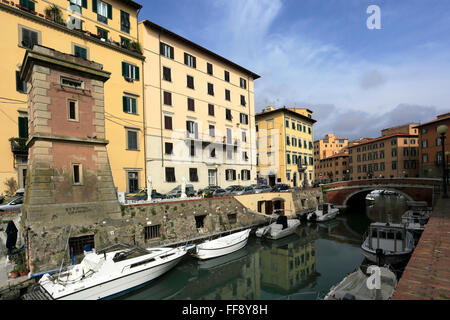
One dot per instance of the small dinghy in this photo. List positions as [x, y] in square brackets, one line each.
[388, 243]
[222, 246]
[110, 272]
[323, 212]
[358, 286]
[283, 227]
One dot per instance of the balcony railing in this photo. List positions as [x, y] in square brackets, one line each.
[19, 146]
[132, 46]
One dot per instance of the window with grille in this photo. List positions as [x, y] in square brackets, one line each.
[78, 244]
[152, 232]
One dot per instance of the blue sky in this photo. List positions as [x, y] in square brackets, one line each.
[319, 54]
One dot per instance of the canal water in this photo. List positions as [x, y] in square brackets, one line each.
[301, 267]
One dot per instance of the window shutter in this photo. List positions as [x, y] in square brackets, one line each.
[161, 48]
[94, 6]
[109, 10]
[171, 52]
[195, 62]
[125, 104]
[133, 106]
[125, 69]
[136, 70]
[23, 127]
[84, 4]
[185, 58]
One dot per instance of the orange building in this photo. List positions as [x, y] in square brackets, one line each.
[394, 154]
[323, 149]
[333, 168]
[430, 150]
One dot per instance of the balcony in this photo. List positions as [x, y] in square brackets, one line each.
[19, 146]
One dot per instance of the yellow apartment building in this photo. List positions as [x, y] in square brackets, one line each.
[285, 146]
[199, 114]
[103, 31]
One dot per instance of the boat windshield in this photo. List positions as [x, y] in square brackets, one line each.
[130, 254]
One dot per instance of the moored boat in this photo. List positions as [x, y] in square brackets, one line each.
[222, 246]
[355, 286]
[110, 272]
[323, 212]
[388, 243]
[283, 227]
[415, 221]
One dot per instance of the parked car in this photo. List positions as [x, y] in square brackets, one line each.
[221, 193]
[244, 190]
[236, 190]
[176, 192]
[20, 192]
[281, 188]
[2, 198]
[208, 191]
[13, 205]
[142, 195]
[262, 188]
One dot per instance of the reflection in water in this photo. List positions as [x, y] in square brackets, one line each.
[297, 267]
[289, 264]
[387, 208]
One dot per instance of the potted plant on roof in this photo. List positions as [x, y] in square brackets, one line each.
[135, 46]
[52, 12]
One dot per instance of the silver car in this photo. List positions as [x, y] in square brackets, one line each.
[262, 188]
[13, 205]
[244, 190]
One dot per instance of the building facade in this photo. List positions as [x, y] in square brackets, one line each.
[199, 118]
[332, 168]
[394, 154]
[285, 146]
[106, 32]
[325, 148]
[430, 149]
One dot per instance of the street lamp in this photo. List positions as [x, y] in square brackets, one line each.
[442, 130]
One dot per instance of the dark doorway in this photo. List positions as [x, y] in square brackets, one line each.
[269, 207]
[272, 180]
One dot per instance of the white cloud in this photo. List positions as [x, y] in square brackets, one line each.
[348, 92]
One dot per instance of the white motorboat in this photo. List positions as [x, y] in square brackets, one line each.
[323, 212]
[222, 246]
[110, 272]
[355, 286]
[416, 220]
[390, 243]
[280, 229]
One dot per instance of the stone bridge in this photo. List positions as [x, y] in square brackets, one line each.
[414, 189]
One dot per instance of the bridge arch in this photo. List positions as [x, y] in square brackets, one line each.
[369, 190]
[417, 189]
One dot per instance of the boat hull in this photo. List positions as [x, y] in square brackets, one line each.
[283, 233]
[390, 259]
[210, 253]
[121, 285]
